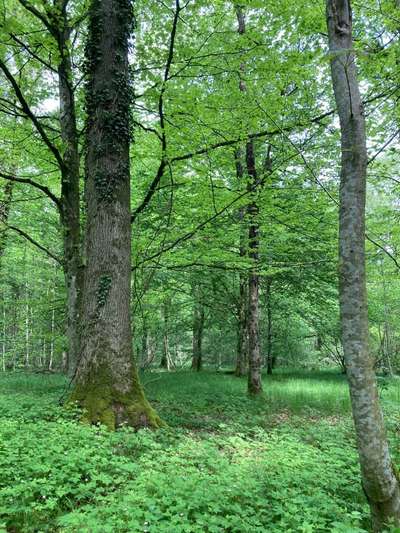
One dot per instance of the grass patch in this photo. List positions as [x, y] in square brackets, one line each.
[226, 463]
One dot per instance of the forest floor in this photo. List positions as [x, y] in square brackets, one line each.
[227, 463]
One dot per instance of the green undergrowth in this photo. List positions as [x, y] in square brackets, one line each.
[227, 463]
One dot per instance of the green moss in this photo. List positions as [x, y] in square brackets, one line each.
[103, 403]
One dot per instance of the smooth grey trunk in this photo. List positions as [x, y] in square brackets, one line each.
[254, 357]
[106, 382]
[379, 479]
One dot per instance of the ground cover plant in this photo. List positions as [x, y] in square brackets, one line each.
[225, 463]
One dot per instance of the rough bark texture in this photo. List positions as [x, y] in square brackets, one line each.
[106, 383]
[378, 475]
[70, 176]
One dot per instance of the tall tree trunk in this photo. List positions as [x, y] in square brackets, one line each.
[166, 356]
[254, 357]
[242, 334]
[270, 357]
[254, 376]
[198, 327]
[70, 187]
[378, 476]
[106, 383]
[5, 207]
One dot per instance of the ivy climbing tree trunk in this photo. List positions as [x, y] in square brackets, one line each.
[106, 383]
[379, 478]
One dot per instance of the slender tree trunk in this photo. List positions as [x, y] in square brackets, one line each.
[270, 358]
[5, 207]
[254, 377]
[4, 340]
[198, 327]
[242, 333]
[145, 340]
[106, 383]
[51, 355]
[378, 475]
[254, 357]
[70, 187]
[166, 356]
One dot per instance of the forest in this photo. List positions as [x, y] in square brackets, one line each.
[199, 266]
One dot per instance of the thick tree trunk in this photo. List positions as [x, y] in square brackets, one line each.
[106, 384]
[198, 327]
[70, 177]
[378, 475]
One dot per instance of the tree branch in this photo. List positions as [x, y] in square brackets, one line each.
[26, 109]
[28, 181]
[35, 243]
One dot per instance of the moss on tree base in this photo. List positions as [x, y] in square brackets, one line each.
[103, 403]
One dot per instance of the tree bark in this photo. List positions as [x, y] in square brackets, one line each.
[106, 383]
[254, 376]
[70, 189]
[242, 334]
[254, 358]
[378, 475]
[198, 327]
[166, 356]
[5, 206]
[270, 357]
